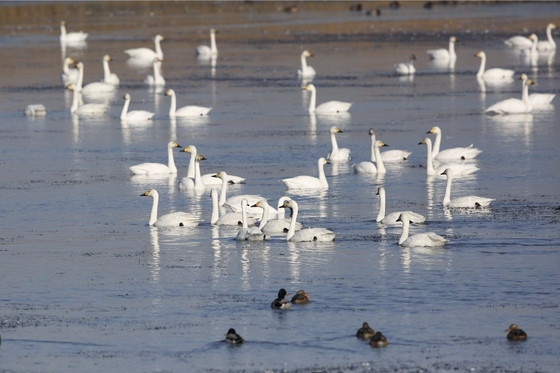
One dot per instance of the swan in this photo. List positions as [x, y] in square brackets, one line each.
[468, 152]
[330, 107]
[308, 234]
[230, 218]
[337, 154]
[538, 100]
[494, 73]
[156, 80]
[309, 182]
[533, 51]
[134, 115]
[459, 168]
[444, 54]
[406, 68]
[185, 111]
[174, 219]
[393, 155]
[367, 167]
[195, 183]
[522, 42]
[461, 202]
[392, 218]
[247, 233]
[69, 75]
[36, 110]
[108, 76]
[85, 109]
[427, 239]
[305, 71]
[77, 37]
[92, 89]
[150, 168]
[147, 53]
[514, 105]
[204, 52]
[208, 179]
[233, 203]
[273, 226]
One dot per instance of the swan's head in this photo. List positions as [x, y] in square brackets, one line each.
[70, 87]
[221, 175]
[306, 53]
[335, 129]
[371, 132]
[480, 54]
[200, 157]
[323, 161]
[413, 57]
[288, 204]
[427, 141]
[448, 172]
[533, 37]
[159, 37]
[69, 61]
[150, 193]
[380, 191]
[261, 203]
[309, 87]
[523, 77]
[169, 92]
[190, 149]
[435, 130]
[213, 31]
[107, 58]
[80, 65]
[526, 79]
[380, 144]
[126, 97]
[173, 144]
[453, 39]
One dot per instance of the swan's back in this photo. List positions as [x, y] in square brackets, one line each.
[459, 169]
[313, 234]
[177, 219]
[149, 168]
[139, 116]
[428, 239]
[303, 182]
[509, 106]
[468, 152]
[395, 155]
[392, 218]
[333, 107]
[470, 202]
[498, 74]
[36, 110]
[541, 99]
[192, 111]
[518, 41]
[365, 167]
[438, 54]
[91, 110]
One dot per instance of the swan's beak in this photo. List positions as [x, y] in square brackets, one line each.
[145, 194]
[421, 142]
[217, 175]
[201, 157]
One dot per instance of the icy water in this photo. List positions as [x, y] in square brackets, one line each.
[88, 286]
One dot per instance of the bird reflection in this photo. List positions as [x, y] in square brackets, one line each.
[155, 260]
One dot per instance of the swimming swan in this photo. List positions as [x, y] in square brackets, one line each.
[147, 54]
[444, 54]
[427, 239]
[230, 218]
[393, 155]
[134, 115]
[337, 154]
[174, 219]
[330, 107]
[273, 226]
[208, 179]
[522, 42]
[247, 233]
[36, 110]
[108, 76]
[514, 105]
[185, 111]
[461, 202]
[468, 152]
[156, 80]
[305, 71]
[69, 38]
[392, 218]
[494, 73]
[538, 100]
[459, 168]
[406, 68]
[309, 182]
[95, 88]
[150, 168]
[204, 52]
[195, 183]
[69, 75]
[233, 203]
[85, 110]
[308, 234]
[368, 167]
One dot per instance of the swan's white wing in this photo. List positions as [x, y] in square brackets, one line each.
[278, 226]
[498, 74]
[192, 111]
[391, 219]
[395, 155]
[177, 219]
[139, 116]
[365, 167]
[438, 54]
[428, 239]
[142, 53]
[303, 182]
[468, 152]
[313, 234]
[149, 168]
[332, 107]
[518, 41]
[509, 106]
[470, 202]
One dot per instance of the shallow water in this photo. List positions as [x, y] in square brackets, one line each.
[88, 286]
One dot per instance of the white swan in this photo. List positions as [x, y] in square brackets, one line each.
[538, 100]
[305, 71]
[427, 239]
[444, 54]
[459, 168]
[368, 167]
[522, 42]
[461, 202]
[329, 107]
[86, 110]
[514, 105]
[392, 218]
[95, 88]
[204, 52]
[337, 154]
[468, 152]
[393, 155]
[147, 54]
[174, 219]
[247, 233]
[230, 218]
[134, 115]
[156, 80]
[406, 68]
[233, 203]
[533, 51]
[208, 179]
[195, 183]
[306, 182]
[273, 226]
[108, 76]
[495, 73]
[150, 168]
[308, 234]
[69, 74]
[69, 38]
[185, 111]
[36, 110]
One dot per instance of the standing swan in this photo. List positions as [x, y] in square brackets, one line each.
[468, 152]
[174, 219]
[247, 233]
[337, 154]
[461, 202]
[459, 168]
[444, 54]
[514, 105]
[150, 168]
[108, 76]
[367, 167]
[494, 73]
[134, 115]
[305, 71]
[392, 218]
[185, 111]
[305, 182]
[406, 68]
[308, 234]
[147, 54]
[204, 52]
[427, 239]
[329, 107]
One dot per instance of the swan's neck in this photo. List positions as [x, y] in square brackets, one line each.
[264, 218]
[106, 71]
[65, 68]
[171, 161]
[312, 100]
[379, 162]
[549, 36]
[452, 54]
[334, 143]
[303, 63]
[153, 214]
[158, 77]
[372, 149]
[223, 192]
[159, 52]
[80, 78]
[125, 109]
[525, 96]
[322, 177]
[75, 101]
[405, 228]
[198, 183]
[215, 207]
[62, 32]
[430, 158]
[480, 72]
[381, 213]
[534, 47]
[244, 223]
[437, 143]
[292, 228]
[447, 195]
[173, 107]
[213, 47]
[191, 170]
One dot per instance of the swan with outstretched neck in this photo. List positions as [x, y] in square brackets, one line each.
[147, 54]
[467, 152]
[195, 183]
[461, 202]
[152, 168]
[406, 68]
[495, 73]
[134, 115]
[306, 182]
[392, 218]
[443, 54]
[337, 154]
[280, 225]
[426, 239]
[171, 220]
[307, 234]
[204, 52]
[329, 107]
[514, 105]
[86, 110]
[305, 71]
[462, 169]
[247, 233]
[368, 167]
[185, 111]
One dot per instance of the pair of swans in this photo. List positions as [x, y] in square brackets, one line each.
[185, 111]
[307, 234]
[461, 169]
[514, 105]
[152, 168]
[306, 182]
[468, 152]
[493, 73]
[522, 42]
[207, 179]
[171, 220]
[196, 183]
[305, 72]
[280, 225]
[204, 52]
[369, 167]
[329, 107]
[426, 239]
[393, 155]
[462, 202]
[247, 233]
[71, 38]
[156, 80]
[147, 55]
[442, 54]
[392, 218]
[134, 116]
[406, 68]
[337, 154]
[85, 110]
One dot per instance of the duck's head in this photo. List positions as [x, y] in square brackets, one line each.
[282, 293]
[511, 327]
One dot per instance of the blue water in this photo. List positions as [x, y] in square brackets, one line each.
[88, 286]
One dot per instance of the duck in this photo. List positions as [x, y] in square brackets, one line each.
[522, 42]
[272, 226]
[171, 220]
[108, 76]
[68, 38]
[337, 154]
[185, 111]
[195, 183]
[462, 202]
[233, 338]
[406, 68]
[329, 107]
[300, 297]
[156, 80]
[514, 105]
[305, 71]
[368, 167]
[134, 115]
[247, 233]
[444, 54]
[426, 239]
[85, 110]
[281, 303]
[305, 182]
[538, 100]
[308, 234]
[460, 169]
[462, 153]
[493, 73]
[392, 218]
[151, 168]
[393, 155]
[515, 334]
[378, 340]
[229, 218]
[365, 332]
[147, 54]
[204, 52]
